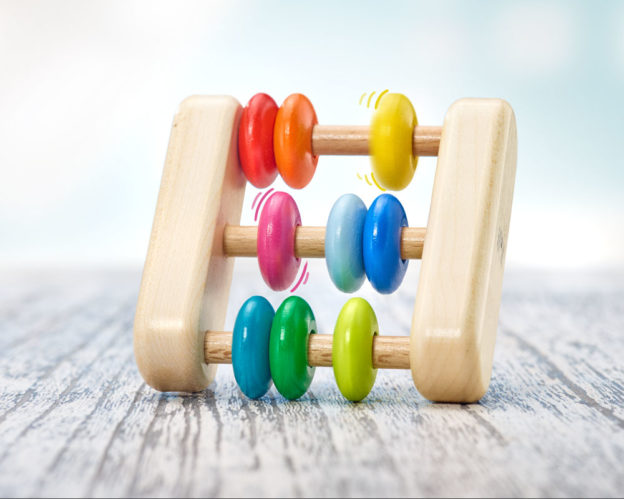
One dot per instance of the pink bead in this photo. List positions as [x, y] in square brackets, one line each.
[276, 241]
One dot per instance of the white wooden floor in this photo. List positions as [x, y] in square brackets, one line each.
[76, 418]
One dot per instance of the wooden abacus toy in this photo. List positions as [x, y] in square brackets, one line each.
[215, 145]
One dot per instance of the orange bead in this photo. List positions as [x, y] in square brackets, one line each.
[292, 141]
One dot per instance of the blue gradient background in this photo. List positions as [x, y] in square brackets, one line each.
[88, 91]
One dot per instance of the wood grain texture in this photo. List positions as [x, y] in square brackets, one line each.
[310, 241]
[459, 290]
[186, 278]
[389, 352]
[339, 140]
[77, 419]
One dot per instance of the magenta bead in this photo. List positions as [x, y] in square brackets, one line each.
[276, 241]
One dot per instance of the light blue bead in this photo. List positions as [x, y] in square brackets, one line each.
[250, 347]
[385, 268]
[343, 243]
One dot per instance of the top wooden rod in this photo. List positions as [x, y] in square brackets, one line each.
[340, 140]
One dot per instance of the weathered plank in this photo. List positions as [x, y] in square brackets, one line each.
[76, 418]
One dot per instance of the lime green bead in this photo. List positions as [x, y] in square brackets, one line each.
[352, 351]
[288, 347]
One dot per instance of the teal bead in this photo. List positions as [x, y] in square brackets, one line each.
[250, 347]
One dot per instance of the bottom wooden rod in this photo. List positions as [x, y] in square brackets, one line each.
[389, 352]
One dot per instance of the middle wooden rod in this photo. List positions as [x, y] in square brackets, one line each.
[310, 241]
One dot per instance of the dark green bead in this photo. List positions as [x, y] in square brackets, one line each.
[288, 347]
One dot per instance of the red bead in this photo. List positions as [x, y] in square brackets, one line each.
[255, 140]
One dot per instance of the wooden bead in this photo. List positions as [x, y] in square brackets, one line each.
[381, 242]
[255, 141]
[343, 243]
[392, 129]
[276, 233]
[292, 141]
[352, 349]
[293, 324]
[250, 347]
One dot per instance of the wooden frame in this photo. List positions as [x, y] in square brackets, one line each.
[202, 190]
[459, 289]
[188, 270]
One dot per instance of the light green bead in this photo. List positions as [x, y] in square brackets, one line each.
[352, 351]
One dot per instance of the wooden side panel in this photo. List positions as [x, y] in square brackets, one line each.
[186, 278]
[458, 299]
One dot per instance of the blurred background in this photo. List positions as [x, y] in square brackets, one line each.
[88, 91]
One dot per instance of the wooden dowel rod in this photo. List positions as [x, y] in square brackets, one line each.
[341, 140]
[218, 347]
[389, 352]
[310, 241]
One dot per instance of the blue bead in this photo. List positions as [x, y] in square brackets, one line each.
[343, 243]
[250, 347]
[382, 243]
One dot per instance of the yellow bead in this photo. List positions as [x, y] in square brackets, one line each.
[392, 129]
